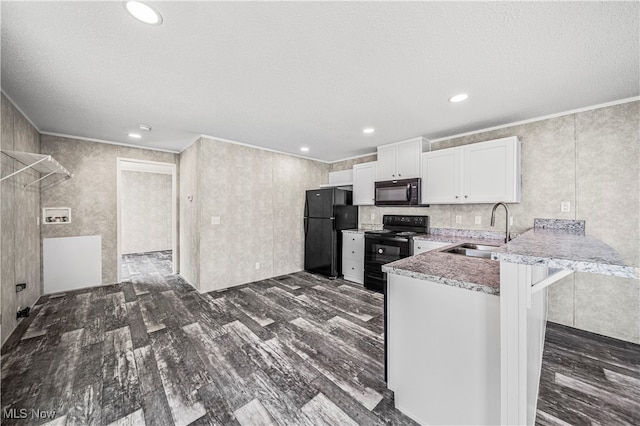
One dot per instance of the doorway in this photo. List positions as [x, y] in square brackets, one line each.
[146, 218]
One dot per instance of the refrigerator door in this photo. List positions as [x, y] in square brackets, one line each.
[319, 203]
[346, 217]
[320, 247]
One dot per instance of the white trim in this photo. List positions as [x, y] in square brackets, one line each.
[174, 211]
[19, 110]
[261, 148]
[541, 118]
[353, 158]
[162, 167]
[82, 138]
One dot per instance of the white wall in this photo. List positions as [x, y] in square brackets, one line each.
[258, 196]
[146, 211]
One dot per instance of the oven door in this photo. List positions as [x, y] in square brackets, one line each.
[405, 192]
[379, 251]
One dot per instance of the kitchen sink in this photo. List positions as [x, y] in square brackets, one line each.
[472, 250]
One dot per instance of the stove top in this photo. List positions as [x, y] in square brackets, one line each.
[402, 226]
[389, 233]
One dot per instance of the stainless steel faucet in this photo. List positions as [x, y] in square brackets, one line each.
[507, 233]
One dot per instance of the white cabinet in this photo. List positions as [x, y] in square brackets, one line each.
[364, 176]
[492, 171]
[486, 172]
[441, 176]
[353, 256]
[400, 160]
[421, 246]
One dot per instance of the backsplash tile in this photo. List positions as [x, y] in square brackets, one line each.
[577, 226]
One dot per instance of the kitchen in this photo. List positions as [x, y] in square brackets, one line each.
[585, 155]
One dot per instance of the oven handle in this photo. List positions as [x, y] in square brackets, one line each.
[306, 226]
[387, 239]
[408, 192]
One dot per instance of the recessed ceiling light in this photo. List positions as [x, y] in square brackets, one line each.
[304, 149]
[144, 127]
[143, 13]
[368, 130]
[458, 98]
[134, 135]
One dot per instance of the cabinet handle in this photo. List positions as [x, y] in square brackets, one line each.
[353, 252]
[399, 175]
[466, 196]
[456, 196]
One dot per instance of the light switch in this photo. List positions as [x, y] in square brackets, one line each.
[215, 220]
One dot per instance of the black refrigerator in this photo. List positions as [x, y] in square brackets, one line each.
[326, 213]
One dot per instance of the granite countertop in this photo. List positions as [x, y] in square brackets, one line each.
[565, 249]
[558, 244]
[471, 273]
[356, 231]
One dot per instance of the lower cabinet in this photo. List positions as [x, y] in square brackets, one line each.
[353, 256]
[420, 246]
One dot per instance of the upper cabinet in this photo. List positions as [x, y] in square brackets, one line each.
[364, 176]
[486, 172]
[441, 176]
[399, 160]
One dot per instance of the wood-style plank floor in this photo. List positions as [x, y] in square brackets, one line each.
[297, 349]
[588, 379]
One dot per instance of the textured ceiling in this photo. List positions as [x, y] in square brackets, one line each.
[283, 74]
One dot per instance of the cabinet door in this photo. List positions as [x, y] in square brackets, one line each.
[386, 167]
[353, 256]
[491, 171]
[408, 159]
[441, 176]
[364, 176]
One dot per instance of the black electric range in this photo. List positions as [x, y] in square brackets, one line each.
[393, 242]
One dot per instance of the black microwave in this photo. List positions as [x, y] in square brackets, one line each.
[401, 192]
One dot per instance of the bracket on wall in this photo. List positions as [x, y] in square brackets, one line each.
[39, 162]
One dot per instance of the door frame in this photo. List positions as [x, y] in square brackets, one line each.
[132, 164]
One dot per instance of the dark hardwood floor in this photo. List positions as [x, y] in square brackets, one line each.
[588, 379]
[297, 349]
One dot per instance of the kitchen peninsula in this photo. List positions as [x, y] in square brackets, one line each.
[466, 334]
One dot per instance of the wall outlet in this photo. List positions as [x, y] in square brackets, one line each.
[458, 219]
[565, 207]
[373, 216]
[257, 265]
[478, 220]
[510, 220]
[215, 220]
